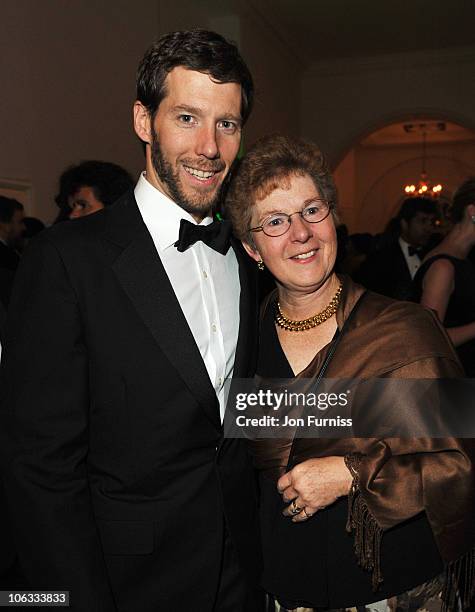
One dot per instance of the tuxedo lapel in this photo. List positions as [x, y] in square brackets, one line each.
[248, 315]
[3, 320]
[141, 274]
[246, 349]
[404, 274]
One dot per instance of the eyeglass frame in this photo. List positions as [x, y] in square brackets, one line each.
[260, 228]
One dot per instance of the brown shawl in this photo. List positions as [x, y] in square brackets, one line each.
[394, 479]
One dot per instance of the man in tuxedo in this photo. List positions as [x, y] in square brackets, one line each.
[11, 230]
[390, 269]
[124, 326]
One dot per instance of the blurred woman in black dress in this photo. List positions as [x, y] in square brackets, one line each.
[445, 281]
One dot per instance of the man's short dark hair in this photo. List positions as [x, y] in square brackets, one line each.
[412, 206]
[199, 50]
[108, 181]
[8, 206]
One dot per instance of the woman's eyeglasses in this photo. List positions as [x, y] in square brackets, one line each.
[278, 223]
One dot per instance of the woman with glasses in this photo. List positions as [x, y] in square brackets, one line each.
[346, 521]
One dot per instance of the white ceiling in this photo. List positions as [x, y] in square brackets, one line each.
[316, 30]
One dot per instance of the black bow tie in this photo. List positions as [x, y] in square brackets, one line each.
[216, 235]
[414, 251]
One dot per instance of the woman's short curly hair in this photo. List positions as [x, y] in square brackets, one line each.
[269, 164]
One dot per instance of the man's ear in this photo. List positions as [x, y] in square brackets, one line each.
[251, 251]
[142, 124]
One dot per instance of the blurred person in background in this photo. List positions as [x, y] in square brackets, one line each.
[445, 281]
[33, 227]
[356, 249]
[89, 187]
[11, 230]
[390, 269]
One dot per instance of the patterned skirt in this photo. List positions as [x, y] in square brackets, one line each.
[423, 598]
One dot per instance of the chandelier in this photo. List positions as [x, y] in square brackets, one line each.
[424, 187]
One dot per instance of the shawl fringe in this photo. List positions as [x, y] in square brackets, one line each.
[459, 582]
[367, 532]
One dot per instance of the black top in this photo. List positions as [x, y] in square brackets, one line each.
[313, 564]
[461, 306]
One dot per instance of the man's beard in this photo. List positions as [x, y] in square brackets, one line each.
[198, 205]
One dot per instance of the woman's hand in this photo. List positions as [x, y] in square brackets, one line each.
[313, 485]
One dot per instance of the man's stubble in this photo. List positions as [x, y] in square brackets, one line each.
[200, 205]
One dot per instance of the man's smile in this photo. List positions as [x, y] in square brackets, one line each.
[203, 175]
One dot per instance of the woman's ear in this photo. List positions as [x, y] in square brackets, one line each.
[251, 251]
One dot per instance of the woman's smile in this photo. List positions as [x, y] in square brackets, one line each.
[305, 257]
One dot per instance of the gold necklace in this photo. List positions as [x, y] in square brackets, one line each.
[304, 324]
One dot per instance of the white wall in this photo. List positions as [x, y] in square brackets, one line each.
[277, 78]
[381, 173]
[68, 76]
[276, 71]
[345, 179]
[67, 70]
[344, 100]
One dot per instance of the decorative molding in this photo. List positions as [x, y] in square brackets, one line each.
[18, 189]
[365, 128]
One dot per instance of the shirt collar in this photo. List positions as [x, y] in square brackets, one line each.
[404, 246]
[161, 214]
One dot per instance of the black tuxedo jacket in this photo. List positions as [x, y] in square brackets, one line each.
[3, 323]
[7, 555]
[386, 272]
[117, 475]
[9, 260]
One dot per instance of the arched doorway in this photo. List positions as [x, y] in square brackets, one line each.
[372, 175]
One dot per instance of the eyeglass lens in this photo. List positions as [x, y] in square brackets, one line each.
[279, 223]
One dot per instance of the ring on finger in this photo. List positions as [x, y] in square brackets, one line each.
[294, 509]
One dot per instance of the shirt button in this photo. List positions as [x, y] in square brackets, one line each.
[204, 274]
[220, 381]
[213, 327]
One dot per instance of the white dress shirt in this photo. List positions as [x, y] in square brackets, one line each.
[413, 261]
[205, 282]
